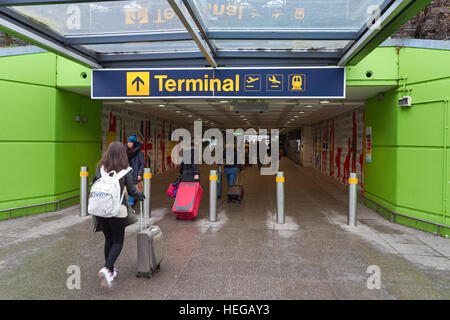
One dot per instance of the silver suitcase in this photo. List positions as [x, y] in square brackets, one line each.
[150, 252]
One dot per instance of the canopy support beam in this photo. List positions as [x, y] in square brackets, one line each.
[189, 24]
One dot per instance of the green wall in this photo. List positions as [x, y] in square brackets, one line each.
[409, 173]
[43, 147]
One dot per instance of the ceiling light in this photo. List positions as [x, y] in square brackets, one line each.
[301, 112]
[178, 111]
[190, 115]
[309, 106]
[296, 116]
[245, 119]
[129, 101]
[161, 105]
[223, 101]
[324, 101]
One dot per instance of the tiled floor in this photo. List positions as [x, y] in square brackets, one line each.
[244, 255]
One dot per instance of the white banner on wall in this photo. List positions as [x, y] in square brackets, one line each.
[368, 144]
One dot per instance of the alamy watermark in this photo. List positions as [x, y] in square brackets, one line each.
[230, 147]
[374, 280]
[74, 280]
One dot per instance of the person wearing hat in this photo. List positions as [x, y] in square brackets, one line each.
[136, 160]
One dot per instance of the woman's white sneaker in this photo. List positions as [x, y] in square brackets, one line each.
[106, 276]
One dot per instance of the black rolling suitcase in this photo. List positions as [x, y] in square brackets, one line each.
[236, 191]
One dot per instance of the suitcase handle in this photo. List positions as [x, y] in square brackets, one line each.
[239, 177]
[142, 216]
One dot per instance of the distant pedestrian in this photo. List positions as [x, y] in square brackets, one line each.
[137, 162]
[115, 159]
[231, 169]
[189, 165]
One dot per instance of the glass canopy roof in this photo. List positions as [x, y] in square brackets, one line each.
[164, 33]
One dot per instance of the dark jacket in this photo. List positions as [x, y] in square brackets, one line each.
[127, 181]
[190, 167]
[136, 159]
[235, 164]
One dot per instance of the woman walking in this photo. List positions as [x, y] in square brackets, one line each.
[115, 159]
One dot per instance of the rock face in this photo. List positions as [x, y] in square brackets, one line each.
[8, 41]
[431, 23]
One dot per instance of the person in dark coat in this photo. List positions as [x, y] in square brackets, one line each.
[189, 165]
[231, 169]
[137, 161]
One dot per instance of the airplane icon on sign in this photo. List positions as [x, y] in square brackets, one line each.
[252, 82]
[273, 80]
[250, 79]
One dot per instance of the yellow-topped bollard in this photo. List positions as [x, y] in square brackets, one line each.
[213, 181]
[84, 181]
[147, 176]
[280, 180]
[352, 199]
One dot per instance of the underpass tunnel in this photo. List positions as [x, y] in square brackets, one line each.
[311, 133]
[319, 87]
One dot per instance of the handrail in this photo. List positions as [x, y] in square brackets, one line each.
[394, 214]
[37, 205]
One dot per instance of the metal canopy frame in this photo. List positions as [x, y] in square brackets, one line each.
[394, 13]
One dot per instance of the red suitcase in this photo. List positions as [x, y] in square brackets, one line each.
[187, 200]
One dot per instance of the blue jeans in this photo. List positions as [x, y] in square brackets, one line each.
[231, 174]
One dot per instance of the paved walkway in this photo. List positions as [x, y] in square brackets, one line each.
[245, 255]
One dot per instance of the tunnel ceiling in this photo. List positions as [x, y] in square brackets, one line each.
[214, 113]
[202, 33]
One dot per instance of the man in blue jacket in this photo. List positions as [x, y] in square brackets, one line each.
[136, 160]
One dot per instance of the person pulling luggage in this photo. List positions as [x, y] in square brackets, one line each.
[115, 159]
[231, 169]
[188, 168]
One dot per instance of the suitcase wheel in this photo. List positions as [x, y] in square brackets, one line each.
[148, 275]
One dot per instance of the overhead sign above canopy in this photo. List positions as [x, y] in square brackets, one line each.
[308, 82]
[201, 33]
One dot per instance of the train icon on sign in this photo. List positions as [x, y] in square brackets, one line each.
[297, 82]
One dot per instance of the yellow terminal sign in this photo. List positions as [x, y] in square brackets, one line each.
[138, 83]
